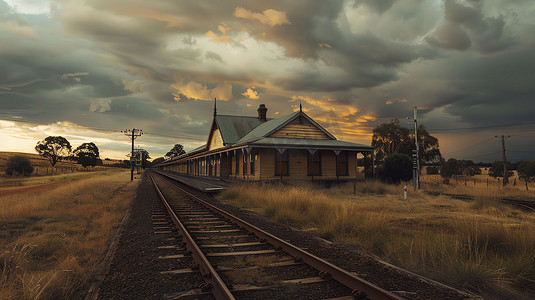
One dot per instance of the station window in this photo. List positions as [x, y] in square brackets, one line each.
[314, 163]
[281, 163]
[341, 164]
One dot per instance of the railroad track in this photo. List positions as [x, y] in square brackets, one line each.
[237, 260]
[526, 204]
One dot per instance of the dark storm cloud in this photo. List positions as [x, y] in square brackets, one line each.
[159, 63]
[464, 25]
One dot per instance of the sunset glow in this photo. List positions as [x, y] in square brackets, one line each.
[88, 69]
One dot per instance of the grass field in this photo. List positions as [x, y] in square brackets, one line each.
[42, 166]
[481, 246]
[51, 242]
[479, 185]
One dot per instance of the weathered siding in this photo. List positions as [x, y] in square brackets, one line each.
[216, 141]
[300, 130]
[298, 165]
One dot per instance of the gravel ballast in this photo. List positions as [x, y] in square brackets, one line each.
[134, 271]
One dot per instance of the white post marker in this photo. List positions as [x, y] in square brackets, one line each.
[405, 192]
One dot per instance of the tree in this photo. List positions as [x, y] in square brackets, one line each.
[87, 154]
[469, 168]
[396, 167]
[428, 150]
[143, 156]
[450, 168]
[54, 148]
[496, 170]
[19, 165]
[389, 138]
[157, 161]
[454, 167]
[526, 171]
[177, 150]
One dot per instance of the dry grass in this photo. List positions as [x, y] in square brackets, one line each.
[53, 241]
[484, 247]
[479, 185]
[42, 166]
[7, 183]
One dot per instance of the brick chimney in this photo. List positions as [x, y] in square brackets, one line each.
[262, 110]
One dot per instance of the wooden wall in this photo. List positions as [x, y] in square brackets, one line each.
[300, 130]
[265, 166]
[299, 165]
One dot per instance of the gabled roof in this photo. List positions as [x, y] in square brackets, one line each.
[233, 128]
[267, 128]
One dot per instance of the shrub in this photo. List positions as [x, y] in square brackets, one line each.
[19, 165]
[497, 169]
[396, 167]
[432, 170]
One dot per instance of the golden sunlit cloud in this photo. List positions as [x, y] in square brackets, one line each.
[223, 28]
[21, 136]
[342, 119]
[197, 91]
[270, 17]
[322, 45]
[404, 101]
[250, 93]
[219, 39]
[389, 102]
[327, 105]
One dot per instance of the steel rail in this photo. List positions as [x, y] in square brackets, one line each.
[359, 286]
[218, 287]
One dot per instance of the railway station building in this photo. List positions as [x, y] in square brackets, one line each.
[292, 147]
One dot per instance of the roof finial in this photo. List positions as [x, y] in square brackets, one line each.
[300, 107]
[215, 107]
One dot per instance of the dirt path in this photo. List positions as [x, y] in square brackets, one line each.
[31, 189]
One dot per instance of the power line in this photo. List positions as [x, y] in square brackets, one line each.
[476, 144]
[482, 155]
[481, 127]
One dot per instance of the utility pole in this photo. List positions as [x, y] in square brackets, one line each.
[417, 164]
[132, 134]
[505, 177]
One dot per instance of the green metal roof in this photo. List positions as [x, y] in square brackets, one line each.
[233, 128]
[309, 144]
[197, 149]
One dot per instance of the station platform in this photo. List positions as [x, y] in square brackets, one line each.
[202, 183]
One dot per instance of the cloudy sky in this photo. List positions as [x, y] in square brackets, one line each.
[88, 69]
